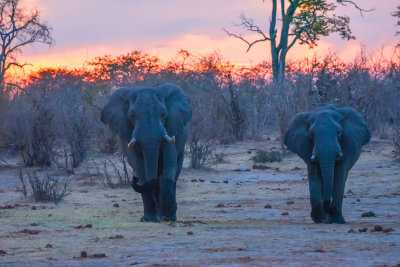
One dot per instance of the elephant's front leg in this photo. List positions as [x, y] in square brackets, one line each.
[167, 196]
[149, 202]
[150, 208]
[318, 214]
[338, 192]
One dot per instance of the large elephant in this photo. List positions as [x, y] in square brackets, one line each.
[329, 140]
[152, 126]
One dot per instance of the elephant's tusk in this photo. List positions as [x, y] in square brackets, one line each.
[132, 142]
[312, 157]
[340, 154]
[169, 139]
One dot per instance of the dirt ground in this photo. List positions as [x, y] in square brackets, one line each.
[228, 215]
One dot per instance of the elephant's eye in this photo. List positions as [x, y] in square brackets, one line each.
[163, 115]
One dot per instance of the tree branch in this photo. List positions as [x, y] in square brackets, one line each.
[250, 44]
[18, 28]
[345, 2]
[292, 42]
[248, 24]
[16, 64]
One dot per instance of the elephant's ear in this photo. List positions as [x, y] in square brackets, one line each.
[114, 114]
[178, 106]
[355, 129]
[297, 138]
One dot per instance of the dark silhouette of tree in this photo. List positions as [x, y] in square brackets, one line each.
[128, 69]
[396, 14]
[303, 22]
[18, 28]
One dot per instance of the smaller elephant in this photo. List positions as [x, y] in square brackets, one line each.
[329, 140]
[152, 124]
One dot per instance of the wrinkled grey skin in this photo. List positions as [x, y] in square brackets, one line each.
[142, 118]
[329, 140]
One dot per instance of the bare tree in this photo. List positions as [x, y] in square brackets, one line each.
[303, 21]
[18, 28]
[396, 14]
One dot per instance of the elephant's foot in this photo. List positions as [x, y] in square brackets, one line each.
[168, 218]
[318, 215]
[150, 218]
[167, 204]
[336, 217]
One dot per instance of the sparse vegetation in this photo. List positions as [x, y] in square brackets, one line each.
[267, 156]
[199, 152]
[107, 141]
[42, 187]
[112, 175]
[394, 122]
[56, 112]
[50, 113]
[220, 158]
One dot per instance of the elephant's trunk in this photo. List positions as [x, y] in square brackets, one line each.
[328, 172]
[147, 187]
[150, 158]
[148, 138]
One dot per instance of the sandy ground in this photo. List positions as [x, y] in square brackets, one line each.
[223, 218]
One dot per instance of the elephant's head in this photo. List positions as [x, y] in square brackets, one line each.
[325, 136]
[141, 118]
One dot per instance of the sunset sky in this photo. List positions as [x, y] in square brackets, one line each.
[84, 29]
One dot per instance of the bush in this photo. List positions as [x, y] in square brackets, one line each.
[50, 115]
[44, 188]
[76, 123]
[267, 156]
[31, 129]
[59, 110]
[394, 120]
[220, 158]
[396, 138]
[108, 141]
[114, 178]
[199, 152]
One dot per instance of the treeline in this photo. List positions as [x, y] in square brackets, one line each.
[53, 116]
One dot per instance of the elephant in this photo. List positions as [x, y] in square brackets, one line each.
[152, 125]
[329, 140]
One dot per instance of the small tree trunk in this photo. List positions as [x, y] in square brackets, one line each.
[237, 114]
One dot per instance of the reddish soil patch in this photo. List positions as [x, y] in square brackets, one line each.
[116, 237]
[8, 207]
[98, 255]
[29, 232]
[81, 226]
[260, 167]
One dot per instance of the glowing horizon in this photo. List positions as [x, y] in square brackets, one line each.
[190, 26]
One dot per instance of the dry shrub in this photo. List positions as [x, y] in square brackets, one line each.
[114, 178]
[49, 114]
[267, 156]
[44, 187]
[394, 119]
[108, 141]
[199, 152]
[76, 123]
[220, 158]
[396, 136]
[31, 128]
[60, 109]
